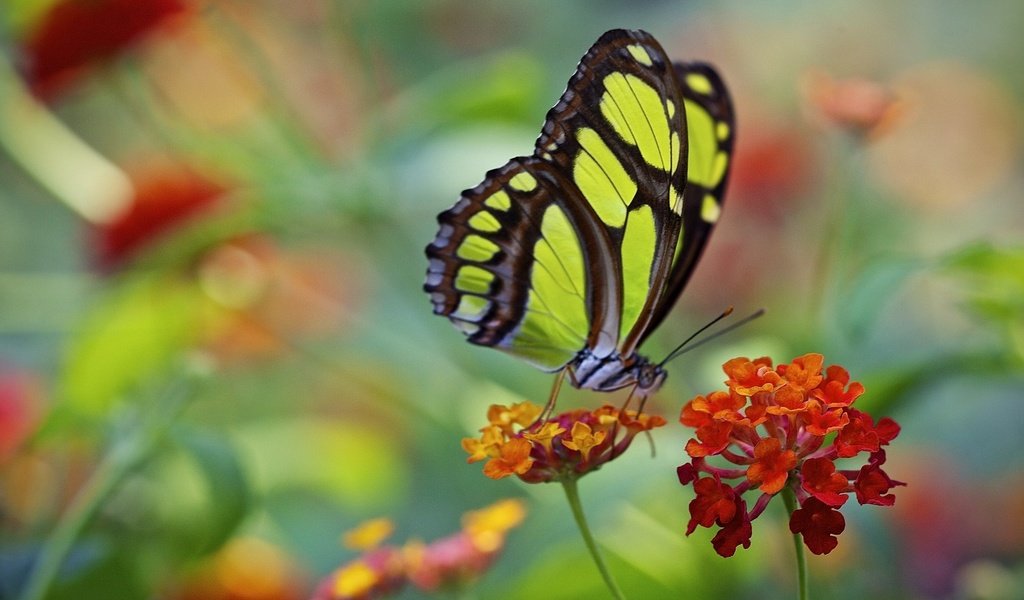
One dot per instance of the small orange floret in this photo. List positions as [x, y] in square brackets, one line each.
[821, 422]
[520, 413]
[747, 377]
[584, 439]
[804, 372]
[771, 465]
[788, 400]
[487, 446]
[711, 439]
[513, 460]
[548, 432]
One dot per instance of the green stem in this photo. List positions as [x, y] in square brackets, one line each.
[789, 498]
[125, 454]
[573, 496]
[833, 233]
[99, 486]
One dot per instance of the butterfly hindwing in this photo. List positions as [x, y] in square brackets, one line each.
[711, 130]
[508, 264]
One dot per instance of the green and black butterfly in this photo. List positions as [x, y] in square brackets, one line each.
[569, 258]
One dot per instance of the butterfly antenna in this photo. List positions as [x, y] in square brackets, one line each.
[684, 347]
[678, 348]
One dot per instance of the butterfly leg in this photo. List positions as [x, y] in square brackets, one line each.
[640, 410]
[553, 397]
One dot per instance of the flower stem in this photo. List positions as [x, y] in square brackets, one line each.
[127, 451]
[834, 231]
[104, 479]
[573, 496]
[789, 498]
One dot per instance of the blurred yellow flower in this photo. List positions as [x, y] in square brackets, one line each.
[369, 534]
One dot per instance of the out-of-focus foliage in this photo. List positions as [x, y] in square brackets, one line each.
[215, 350]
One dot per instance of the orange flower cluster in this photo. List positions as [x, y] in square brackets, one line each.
[771, 425]
[448, 563]
[566, 446]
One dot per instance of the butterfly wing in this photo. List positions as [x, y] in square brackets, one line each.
[619, 134]
[711, 131]
[509, 264]
[578, 247]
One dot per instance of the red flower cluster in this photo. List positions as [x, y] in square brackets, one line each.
[564, 447]
[772, 425]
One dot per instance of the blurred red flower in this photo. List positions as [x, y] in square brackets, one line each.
[162, 201]
[770, 170]
[19, 410]
[75, 35]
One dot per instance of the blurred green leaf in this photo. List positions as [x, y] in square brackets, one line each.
[863, 299]
[98, 569]
[355, 463]
[227, 487]
[993, 280]
[888, 389]
[20, 13]
[506, 89]
[132, 336]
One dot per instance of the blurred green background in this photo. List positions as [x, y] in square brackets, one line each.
[212, 221]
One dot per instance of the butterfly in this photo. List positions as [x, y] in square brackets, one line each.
[571, 257]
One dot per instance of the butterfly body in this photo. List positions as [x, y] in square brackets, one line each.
[569, 258]
[615, 371]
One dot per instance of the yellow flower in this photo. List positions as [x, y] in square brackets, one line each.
[354, 580]
[369, 534]
[584, 439]
[545, 435]
[487, 526]
[488, 446]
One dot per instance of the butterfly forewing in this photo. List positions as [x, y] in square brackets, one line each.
[619, 134]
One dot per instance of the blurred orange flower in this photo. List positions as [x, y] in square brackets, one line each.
[247, 568]
[859, 106]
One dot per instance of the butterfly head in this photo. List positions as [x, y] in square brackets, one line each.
[649, 377]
